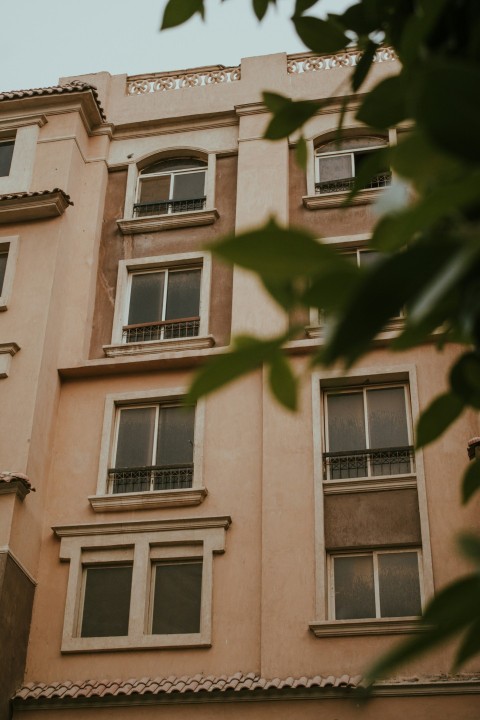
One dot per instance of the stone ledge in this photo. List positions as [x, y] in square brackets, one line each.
[156, 223]
[159, 346]
[378, 626]
[337, 199]
[147, 500]
[21, 207]
[7, 351]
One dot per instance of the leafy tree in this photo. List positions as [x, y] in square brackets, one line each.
[430, 245]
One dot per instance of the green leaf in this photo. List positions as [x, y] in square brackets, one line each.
[465, 378]
[471, 481]
[322, 36]
[277, 254]
[282, 382]
[385, 105]
[289, 116]
[260, 7]
[374, 163]
[470, 645]
[301, 153]
[178, 12]
[363, 65]
[302, 5]
[452, 79]
[470, 547]
[248, 355]
[437, 417]
[438, 624]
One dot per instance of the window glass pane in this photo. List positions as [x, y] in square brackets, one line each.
[346, 422]
[183, 297]
[354, 588]
[399, 584]
[135, 438]
[154, 190]
[177, 598]
[387, 417]
[335, 167]
[106, 606]
[172, 165]
[6, 153]
[369, 257]
[146, 298]
[175, 435]
[3, 265]
[188, 186]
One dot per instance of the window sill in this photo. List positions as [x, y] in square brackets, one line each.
[144, 642]
[20, 207]
[378, 626]
[7, 351]
[391, 330]
[155, 223]
[159, 346]
[147, 500]
[337, 199]
[369, 484]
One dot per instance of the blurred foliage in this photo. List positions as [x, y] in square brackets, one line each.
[429, 244]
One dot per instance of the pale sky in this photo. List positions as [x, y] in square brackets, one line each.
[43, 40]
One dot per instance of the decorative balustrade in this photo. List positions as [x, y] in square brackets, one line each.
[161, 330]
[302, 63]
[368, 463]
[147, 479]
[198, 77]
[331, 186]
[168, 206]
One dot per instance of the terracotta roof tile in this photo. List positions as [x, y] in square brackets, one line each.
[238, 683]
[74, 86]
[35, 193]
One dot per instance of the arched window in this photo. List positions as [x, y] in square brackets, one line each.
[171, 186]
[337, 164]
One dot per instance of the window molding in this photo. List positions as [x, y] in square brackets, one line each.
[125, 268]
[345, 244]
[131, 225]
[358, 376]
[105, 502]
[26, 134]
[99, 543]
[9, 244]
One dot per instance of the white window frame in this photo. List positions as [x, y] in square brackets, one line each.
[374, 554]
[329, 379]
[363, 389]
[127, 268]
[103, 501]
[336, 153]
[172, 174]
[9, 245]
[25, 132]
[136, 166]
[143, 544]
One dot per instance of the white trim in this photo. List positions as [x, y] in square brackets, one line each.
[20, 176]
[127, 267]
[8, 244]
[201, 541]
[338, 378]
[165, 498]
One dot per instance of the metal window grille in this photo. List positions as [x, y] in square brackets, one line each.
[155, 477]
[161, 330]
[367, 463]
[168, 206]
[344, 184]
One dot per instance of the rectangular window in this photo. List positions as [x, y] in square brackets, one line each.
[367, 432]
[171, 186]
[163, 304]
[335, 171]
[6, 154]
[3, 267]
[176, 598]
[378, 584]
[106, 601]
[153, 448]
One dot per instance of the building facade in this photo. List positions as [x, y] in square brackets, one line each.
[230, 559]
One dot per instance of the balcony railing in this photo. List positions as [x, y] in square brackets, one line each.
[368, 463]
[147, 479]
[161, 330]
[167, 207]
[331, 186]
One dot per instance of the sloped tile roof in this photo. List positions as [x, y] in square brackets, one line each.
[8, 476]
[74, 86]
[36, 193]
[163, 687]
